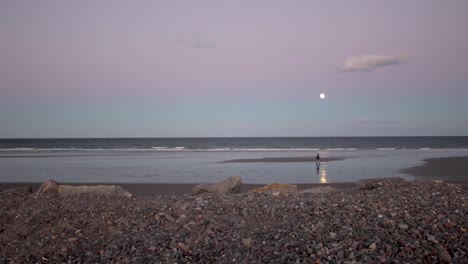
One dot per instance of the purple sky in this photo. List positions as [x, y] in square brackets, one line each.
[243, 68]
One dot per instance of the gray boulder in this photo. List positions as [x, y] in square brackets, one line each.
[48, 187]
[231, 185]
[106, 190]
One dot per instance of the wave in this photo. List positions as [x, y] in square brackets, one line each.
[18, 149]
[163, 148]
[340, 149]
[152, 149]
[184, 149]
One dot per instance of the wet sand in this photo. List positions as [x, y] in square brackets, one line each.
[449, 169]
[282, 159]
[452, 169]
[148, 189]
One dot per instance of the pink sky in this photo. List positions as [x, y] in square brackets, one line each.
[174, 51]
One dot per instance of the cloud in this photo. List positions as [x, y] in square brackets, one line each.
[367, 63]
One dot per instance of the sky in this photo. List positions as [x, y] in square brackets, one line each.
[233, 68]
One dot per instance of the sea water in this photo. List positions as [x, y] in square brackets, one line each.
[197, 160]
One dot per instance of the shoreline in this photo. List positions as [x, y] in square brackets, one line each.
[449, 169]
[283, 159]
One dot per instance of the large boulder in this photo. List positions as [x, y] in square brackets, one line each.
[48, 187]
[276, 188]
[106, 190]
[231, 185]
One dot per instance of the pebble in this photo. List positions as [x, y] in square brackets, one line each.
[431, 238]
[372, 247]
[72, 239]
[247, 242]
[403, 226]
[444, 256]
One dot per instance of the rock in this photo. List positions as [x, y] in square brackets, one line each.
[448, 224]
[106, 190]
[231, 185]
[183, 246]
[247, 242]
[18, 191]
[276, 187]
[372, 247]
[403, 226]
[48, 187]
[431, 238]
[444, 256]
[326, 189]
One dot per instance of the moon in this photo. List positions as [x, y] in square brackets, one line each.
[322, 96]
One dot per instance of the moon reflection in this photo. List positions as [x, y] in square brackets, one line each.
[322, 172]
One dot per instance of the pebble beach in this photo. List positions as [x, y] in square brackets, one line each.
[383, 221]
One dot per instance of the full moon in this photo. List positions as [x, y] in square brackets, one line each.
[322, 96]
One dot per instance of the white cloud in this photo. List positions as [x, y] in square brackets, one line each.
[367, 63]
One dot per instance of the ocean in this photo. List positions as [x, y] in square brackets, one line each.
[198, 160]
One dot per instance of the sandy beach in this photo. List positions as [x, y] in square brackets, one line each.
[283, 159]
[451, 169]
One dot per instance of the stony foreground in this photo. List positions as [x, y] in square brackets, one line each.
[389, 221]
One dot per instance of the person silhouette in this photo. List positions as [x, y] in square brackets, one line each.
[317, 161]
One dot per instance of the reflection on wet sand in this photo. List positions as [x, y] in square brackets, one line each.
[322, 172]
